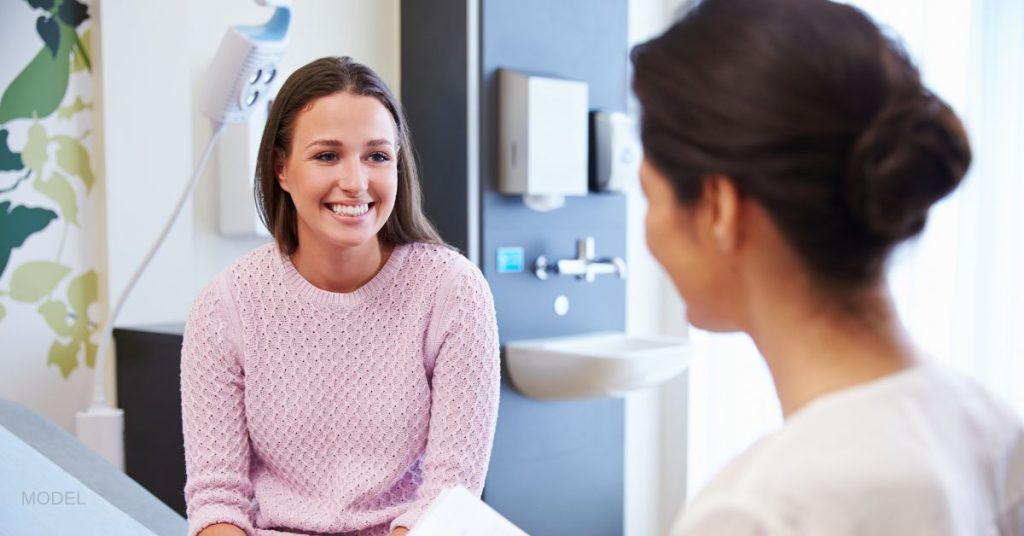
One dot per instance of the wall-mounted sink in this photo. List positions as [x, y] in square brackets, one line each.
[593, 365]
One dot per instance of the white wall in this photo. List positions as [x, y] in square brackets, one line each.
[656, 419]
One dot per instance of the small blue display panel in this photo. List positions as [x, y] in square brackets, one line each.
[510, 260]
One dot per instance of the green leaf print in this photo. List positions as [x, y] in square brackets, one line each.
[34, 280]
[83, 291]
[9, 160]
[17, 224]
[56, 315]
[65, 356]
[49, 31]
[81, 52]
[90, 354]
[34, 154]
[40, 86]
[66, 112]
[73, 12]
[3, 312]
[59, 189]
[41, 4]
[73, 157]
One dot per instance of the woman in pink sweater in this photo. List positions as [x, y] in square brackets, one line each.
[335, 381]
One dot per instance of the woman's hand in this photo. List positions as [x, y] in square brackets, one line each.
[399, 531]
[222, 529]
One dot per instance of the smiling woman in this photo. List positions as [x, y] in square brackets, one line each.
[343, 181]
[337, 380]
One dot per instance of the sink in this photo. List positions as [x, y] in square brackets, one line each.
[593, 365]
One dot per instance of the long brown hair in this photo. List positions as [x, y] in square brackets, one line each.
[314, 80]
[813, 113]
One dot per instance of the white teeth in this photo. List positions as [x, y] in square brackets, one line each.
[350, 210]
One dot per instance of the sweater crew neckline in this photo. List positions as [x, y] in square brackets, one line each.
[300, 286]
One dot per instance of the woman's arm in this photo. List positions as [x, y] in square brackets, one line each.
[218, 489]
[464, 391]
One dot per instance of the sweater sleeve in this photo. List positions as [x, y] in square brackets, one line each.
[464, 392]
[218, 488]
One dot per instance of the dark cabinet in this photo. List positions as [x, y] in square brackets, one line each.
[148, 390]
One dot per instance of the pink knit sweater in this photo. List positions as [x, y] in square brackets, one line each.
[307, 411]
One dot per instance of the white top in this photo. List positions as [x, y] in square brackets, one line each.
[921, 452]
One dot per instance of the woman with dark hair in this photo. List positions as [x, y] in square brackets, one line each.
[789, 147]
[336, 380]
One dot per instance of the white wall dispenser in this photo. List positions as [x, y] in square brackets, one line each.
[617, 152]
[543, 138]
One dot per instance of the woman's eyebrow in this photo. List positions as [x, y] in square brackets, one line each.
[325, 142]
[336, 143]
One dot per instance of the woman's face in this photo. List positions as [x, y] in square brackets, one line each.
[680, 239]
[342, 171]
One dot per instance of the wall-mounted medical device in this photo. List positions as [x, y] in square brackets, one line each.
[242, 78]
[245, 66]
[616, 152]
[238, 149]
[543, 138]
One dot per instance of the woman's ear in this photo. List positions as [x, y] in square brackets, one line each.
[279, 159]
[724, 201]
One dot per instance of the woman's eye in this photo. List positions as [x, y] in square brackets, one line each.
[326, 157]
[380, 157]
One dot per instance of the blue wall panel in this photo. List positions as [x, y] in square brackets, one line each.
[557, 467]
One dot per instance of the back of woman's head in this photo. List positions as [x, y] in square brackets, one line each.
[813, 113]
[317, 79]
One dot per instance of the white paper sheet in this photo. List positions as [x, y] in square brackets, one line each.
[457, 512]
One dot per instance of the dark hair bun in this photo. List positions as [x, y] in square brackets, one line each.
[912, 154]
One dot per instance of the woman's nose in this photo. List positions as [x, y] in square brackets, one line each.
[352, 176]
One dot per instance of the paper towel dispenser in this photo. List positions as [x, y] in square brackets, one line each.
[543, 129]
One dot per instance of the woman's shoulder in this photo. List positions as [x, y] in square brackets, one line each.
[441, 260]
[925, 436]
[443, 272]
[253, 269]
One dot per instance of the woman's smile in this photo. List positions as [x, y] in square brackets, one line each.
[349, 212]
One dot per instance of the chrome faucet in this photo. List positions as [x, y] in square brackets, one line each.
[584, 267]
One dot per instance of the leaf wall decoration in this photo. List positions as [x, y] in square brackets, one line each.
[31, 281]
[40, 86]
[65, 356]
[9, 160]
[74, 159]
[59, 189]
[18, 224]
[49, 31]
[83, 291]
[65, 112]
[56, 315]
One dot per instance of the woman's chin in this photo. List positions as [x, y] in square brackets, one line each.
[711, 322]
